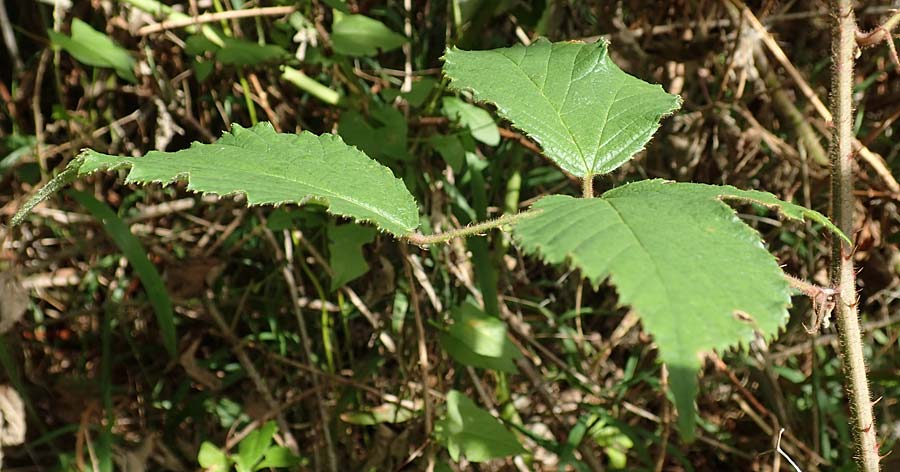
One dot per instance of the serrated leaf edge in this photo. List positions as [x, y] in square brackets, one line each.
[748, 234]
[128, 163]
[503, 112]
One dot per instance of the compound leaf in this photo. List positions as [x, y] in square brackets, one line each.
[588, 115]
[276, 168]
[700, 278]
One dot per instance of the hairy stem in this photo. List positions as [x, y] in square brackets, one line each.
[478, 228]
[587, 186]
[843, 275]
[66, 177]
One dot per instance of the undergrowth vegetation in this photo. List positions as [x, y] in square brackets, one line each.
[447, 236]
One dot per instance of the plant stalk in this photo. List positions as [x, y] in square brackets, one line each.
[427, 240]
[587, 186]
[843, 275]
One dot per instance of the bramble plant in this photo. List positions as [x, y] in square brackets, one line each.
[699, 278]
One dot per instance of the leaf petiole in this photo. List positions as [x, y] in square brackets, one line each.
[823, 300]
[423, 240]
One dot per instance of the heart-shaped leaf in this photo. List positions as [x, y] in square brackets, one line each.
[588, 115]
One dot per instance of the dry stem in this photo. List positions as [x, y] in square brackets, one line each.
[874, 160]
[881, 33]
[214, 17]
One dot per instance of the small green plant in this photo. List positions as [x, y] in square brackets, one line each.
[254, 452]
[698, 276]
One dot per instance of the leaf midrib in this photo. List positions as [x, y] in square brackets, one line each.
[565, 126]
[659, 277]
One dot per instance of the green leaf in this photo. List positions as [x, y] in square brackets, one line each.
[276, 168]
[211, 458]
[479, 340]
[421, 89]
[483, 334]
[384, 413]
[248, 53]
[137, 257]
[279, 457]
[202, 69]
[614, 442]
[383, 135]
[699, 277]
[236, 51]
[358, 35]
[253, 448]
[442, 466]
[339, 5]
[94, 48]
[345, 244]
[198, 44]
[588, 115]
[451, 149]
[16, 146]
[479, 122]
[470, 431]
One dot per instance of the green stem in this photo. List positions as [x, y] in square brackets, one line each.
[513, 182]
[587, 186]
[251, 108]
[326, 323]
[484, 270]
[843, 275]
[309, 85]
[427, 240]
[510, 197]
[63, 179]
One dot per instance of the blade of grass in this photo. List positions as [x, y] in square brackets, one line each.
[137, 257]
